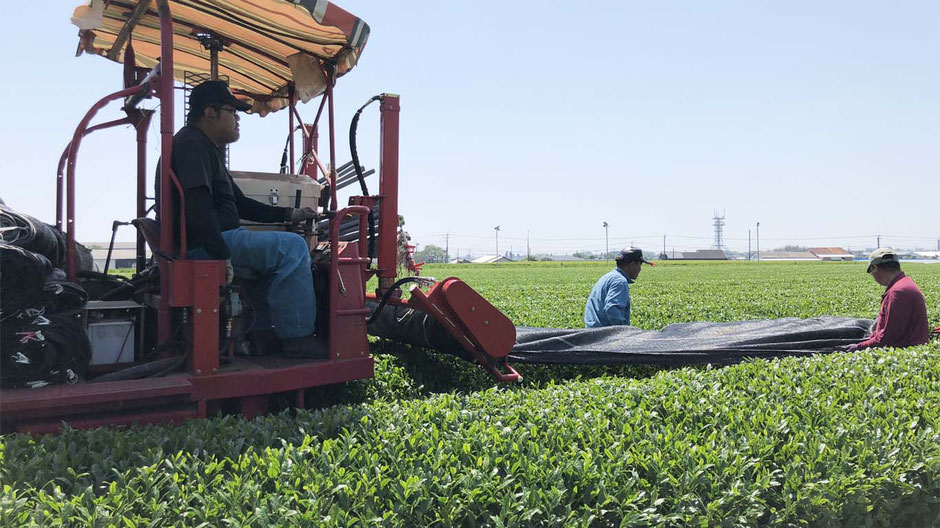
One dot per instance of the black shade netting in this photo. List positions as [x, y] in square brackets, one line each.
[21, 230]
[677, 344]
[688, 343]
[22, 276]
[46, 350]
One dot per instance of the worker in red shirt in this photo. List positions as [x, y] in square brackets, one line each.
[902, 320]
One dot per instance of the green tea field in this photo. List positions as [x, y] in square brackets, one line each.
[831, 440]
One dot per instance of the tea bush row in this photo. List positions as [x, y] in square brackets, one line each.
[840, 440]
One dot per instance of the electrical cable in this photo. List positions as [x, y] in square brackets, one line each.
[145, 370]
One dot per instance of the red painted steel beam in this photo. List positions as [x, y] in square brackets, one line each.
[311, 138]
[173, 416]
[388, 192]
[164, 89]
[18, 401]
[291, 103]
[141, 126]
[207, 276]
[259, 380]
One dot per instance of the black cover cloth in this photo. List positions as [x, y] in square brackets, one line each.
[677, 344]
[687, 343]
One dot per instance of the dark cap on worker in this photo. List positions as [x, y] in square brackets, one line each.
[213, 94]
[630, 254]
[880, 256]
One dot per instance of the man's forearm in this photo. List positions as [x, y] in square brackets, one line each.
[256, 211]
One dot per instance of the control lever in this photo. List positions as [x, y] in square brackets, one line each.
[308, 223]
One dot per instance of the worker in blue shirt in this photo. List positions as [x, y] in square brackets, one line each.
[609, 302]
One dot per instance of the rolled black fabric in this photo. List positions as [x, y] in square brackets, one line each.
[22, 276]
[413, 327]
[28, 233]
[60, 296]
[47, 350]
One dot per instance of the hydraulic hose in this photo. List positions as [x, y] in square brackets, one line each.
[283, 168]
[152, 369]
[362, 180]
[388, 294]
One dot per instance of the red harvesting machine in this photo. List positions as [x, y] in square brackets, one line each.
[273, 58]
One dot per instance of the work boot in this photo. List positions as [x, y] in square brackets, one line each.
[311, 347]
[261, 343]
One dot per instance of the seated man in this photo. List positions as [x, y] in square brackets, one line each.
[902, 320]
[214, 204]
[609, 302]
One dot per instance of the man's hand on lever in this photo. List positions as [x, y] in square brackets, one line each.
[304, 213]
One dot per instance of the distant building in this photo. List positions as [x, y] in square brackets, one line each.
[787, 255]
[928, 254]
[702, 254]
[561, 258]
[123, 256]
[831, 253]
[490, 259]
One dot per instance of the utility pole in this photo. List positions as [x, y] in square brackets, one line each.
[447, 247]
[878, 243]
[606, 244]
[497, 240]
[528, 251]
[758, 241]
[749, 245]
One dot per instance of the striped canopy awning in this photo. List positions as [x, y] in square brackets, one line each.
[267, 43]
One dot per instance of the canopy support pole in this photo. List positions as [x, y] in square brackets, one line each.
[127, 29]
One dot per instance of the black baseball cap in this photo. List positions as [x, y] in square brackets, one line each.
[213, 93]
[630, 254]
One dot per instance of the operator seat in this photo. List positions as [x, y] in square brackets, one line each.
[150, 229]
[260, 344]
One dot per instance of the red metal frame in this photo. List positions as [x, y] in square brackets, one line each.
[347, 291]
[80, 131]
[388, 193]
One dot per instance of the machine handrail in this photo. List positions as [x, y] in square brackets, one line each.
[337, 219]
[60, 177]
[73, 147]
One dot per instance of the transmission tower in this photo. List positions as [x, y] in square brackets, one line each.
[719, 223]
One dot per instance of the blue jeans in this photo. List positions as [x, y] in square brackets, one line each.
[279, 262]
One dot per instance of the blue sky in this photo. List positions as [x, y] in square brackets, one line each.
[819, 120]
